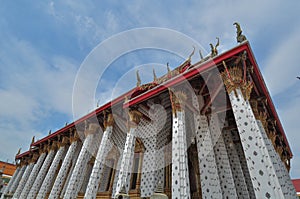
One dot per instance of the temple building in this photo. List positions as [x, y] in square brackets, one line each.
[203, 130]
[6, 172]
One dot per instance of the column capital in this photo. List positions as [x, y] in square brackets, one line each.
[75, 137]
[65, 141]
[53, 146]
[233, 79]
[178, 99]
[34, 158]
[92, 128]
[134, 117]
[108, 121]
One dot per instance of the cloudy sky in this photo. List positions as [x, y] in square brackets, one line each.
[44, 43]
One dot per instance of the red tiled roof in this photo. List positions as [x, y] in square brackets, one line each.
[296, 183]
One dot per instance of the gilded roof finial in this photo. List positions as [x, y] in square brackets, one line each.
[214, 50]
[154, 75]
[33, 138]
[19, 151]
[239, 36]
[192, 53]
[138, 83]
[200, 53]
[168, 68]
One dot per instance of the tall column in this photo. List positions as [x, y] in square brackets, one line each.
[180, 171]
[99, 164]
[65, 167]
[238, 175]
[12, 180]
[281, 171]
[43, 171]
[50, 177]
[17, 180]
[221, 156]
[263, 175]
[33, 174]
[25, 177]
[210, 182]
[85, 155]
[128, 153]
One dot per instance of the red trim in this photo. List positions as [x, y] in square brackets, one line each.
[22, 154]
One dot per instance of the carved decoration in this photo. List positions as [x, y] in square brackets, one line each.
[233, 79]
[108, 121]
[138, 78]
[214, 50]
[239, 36]
[178, 99]
[134, 117]
[93, 127]
[75, 137]
[65, 141]
[32, 140]
[19, 151]
[154, 76]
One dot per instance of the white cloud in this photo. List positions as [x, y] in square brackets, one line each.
[282, 65]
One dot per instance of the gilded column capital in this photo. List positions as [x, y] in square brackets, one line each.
[65, 141]
[108, 121]
[54, 146]
[134, 117]
[34, 158]
[178, 99]
[233, 79]
[92, 128]
[75, 137]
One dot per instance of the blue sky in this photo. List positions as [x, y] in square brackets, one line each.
[43, 43]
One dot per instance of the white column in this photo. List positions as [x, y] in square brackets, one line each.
[239, 149]
[210, 182]
[42, 173]
[63, 171]
[33, 176]
[45, 188]
[99, 164]
[85, 155]
[265, 181]
[221, 156]
[238, 175]
[280, 169]
[12, 180]
[180, 174]
[17, 180]
[128, 153]
[23, 180]
[126, 162]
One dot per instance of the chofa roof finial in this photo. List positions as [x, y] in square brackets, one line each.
[239, 36]
[154, 75]
[192, 53]
[214, 50]
[33, 138]
[200, 53]
[138, 78]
